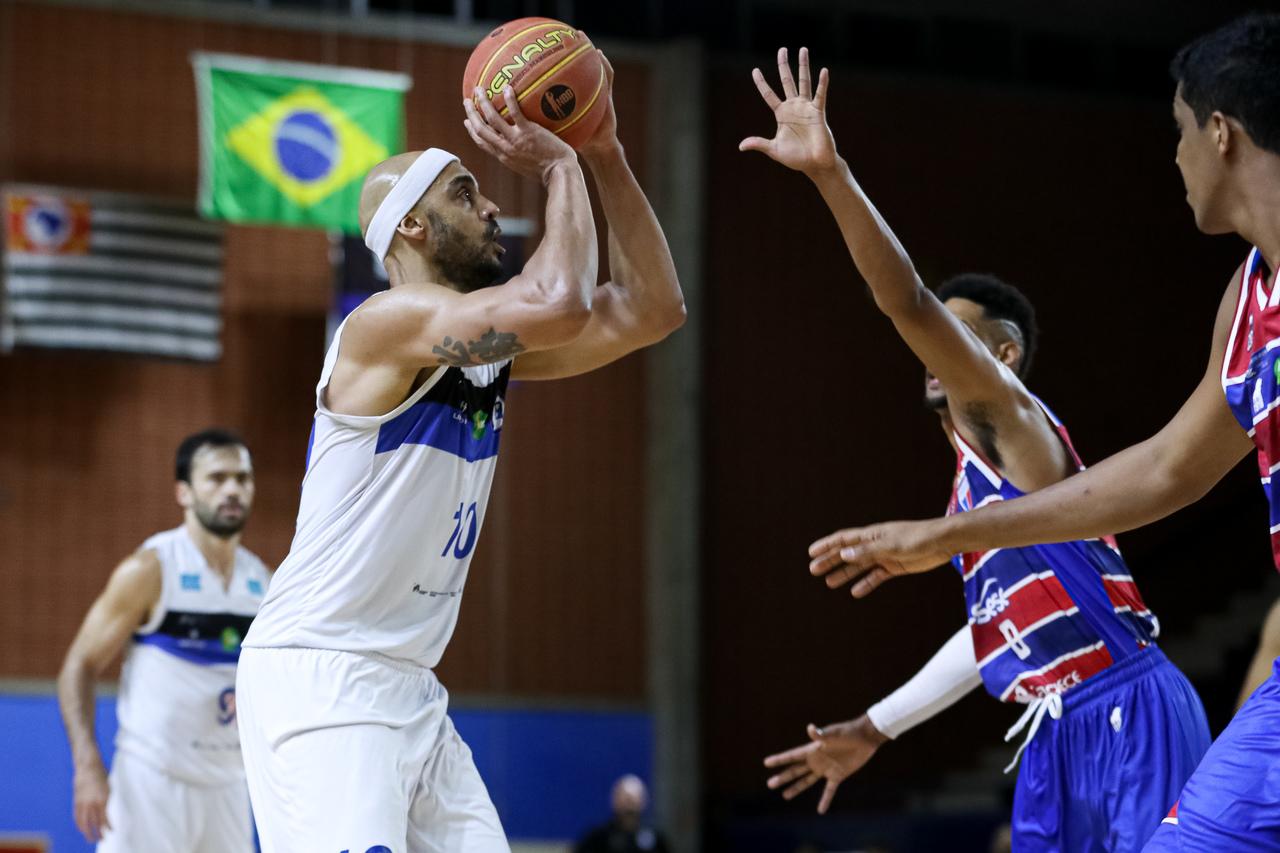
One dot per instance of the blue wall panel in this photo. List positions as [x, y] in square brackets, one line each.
[549, 772]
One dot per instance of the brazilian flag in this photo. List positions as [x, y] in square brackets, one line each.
[290, 142]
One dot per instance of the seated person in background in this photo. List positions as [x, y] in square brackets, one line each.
[626, 831]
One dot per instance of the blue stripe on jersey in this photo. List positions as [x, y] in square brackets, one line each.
[440, 426]
[204, 652]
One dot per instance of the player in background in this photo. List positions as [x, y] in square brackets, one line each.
[1227, 109]
[1060, 628]
[347, 741]
[178, 608]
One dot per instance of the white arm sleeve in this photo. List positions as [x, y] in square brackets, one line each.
[949, 674]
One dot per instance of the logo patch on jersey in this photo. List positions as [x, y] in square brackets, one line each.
[191, 582]
[1275, 369]
[499, 408]
[478, 420]
[230, 639]
[989, 606]
[255, 586]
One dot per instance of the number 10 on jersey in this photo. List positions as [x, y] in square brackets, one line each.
[460, 546]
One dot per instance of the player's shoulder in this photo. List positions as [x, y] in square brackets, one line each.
[400, 297]
[139, 574]
[394, 312]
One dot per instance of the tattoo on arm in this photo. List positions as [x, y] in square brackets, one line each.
[492, 346]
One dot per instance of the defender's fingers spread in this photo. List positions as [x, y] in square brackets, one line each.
[828, 792]
[754, 143]
[788, 775]
[803, 74]
[784, 71]
[771, 99]
[791, 755]
[800, 787]
[820, 96]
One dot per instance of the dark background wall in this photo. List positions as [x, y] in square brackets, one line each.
[105, 100]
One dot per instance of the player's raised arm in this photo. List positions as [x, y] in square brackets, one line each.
[803, 141]
[134, 588]
[642, 303]
[1148, 481]
[422, 322]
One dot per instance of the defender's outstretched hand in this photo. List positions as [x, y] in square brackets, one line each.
[522, 146]
[871, 555]
[802, 140]
[834, 753]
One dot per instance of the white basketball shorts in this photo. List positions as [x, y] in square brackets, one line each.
[354, 753]
[152, 812]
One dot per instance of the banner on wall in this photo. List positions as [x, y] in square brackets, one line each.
[109, 271]
[290, 143]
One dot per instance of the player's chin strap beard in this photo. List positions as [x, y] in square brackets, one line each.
[413, 184]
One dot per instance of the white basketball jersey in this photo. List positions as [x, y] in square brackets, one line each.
[177, 704]
[392, 506]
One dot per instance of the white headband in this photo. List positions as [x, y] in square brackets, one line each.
[403, 196]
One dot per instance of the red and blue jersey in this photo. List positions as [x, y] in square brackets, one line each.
[1251, 374]
[1044, 618]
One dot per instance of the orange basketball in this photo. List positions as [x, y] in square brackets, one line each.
[554, 70]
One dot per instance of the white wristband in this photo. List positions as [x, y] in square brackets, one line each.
[949, 675]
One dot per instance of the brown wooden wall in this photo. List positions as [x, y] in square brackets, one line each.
[814, 415]
[106, 100]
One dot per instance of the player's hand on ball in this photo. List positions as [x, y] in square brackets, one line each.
[869, 556]
[520, 145]
[834, 753]
[802, 141]
[90, 802]
[606, 135]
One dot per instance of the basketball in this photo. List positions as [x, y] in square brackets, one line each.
[554, 70]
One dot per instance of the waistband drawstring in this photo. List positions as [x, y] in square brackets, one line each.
[1051, 704]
